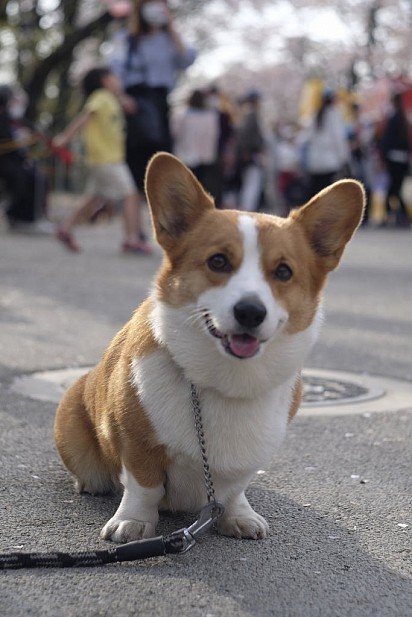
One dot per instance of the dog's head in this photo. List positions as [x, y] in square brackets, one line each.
[235, 284]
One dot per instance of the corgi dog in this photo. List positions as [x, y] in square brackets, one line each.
[235, 309]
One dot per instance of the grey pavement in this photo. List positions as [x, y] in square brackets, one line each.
[335, 548]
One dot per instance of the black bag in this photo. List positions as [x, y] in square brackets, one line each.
[144, 128]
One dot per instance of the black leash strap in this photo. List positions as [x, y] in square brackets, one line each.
[141, 549]
[177, 542]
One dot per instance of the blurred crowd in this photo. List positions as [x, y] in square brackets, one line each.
[225, 141]
[332, 146]
[249, 168]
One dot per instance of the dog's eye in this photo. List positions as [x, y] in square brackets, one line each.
[283, 272]
[219, 263]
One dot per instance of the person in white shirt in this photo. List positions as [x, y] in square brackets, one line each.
[327, 146]
[196, 133]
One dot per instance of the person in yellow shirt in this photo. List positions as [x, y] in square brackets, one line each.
[109, 179]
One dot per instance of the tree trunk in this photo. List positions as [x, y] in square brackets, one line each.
[35, 86]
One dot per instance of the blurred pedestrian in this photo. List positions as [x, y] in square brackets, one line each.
[290, 183]
[396, 150]
[102, 123]
[196, 133]
[361, 135]
[220, 102]
[25, 185]
[250, 153]
[327, 148]
[147, 56]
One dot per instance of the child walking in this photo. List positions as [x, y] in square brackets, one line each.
[109, 178]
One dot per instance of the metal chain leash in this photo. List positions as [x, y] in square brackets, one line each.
[197, 414]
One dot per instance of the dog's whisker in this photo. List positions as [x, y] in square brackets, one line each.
[197, 316]
[192, 319]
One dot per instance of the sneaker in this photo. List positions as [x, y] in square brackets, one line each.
[138, 248]
[66, 238]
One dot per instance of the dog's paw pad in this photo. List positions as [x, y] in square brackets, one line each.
[127, 531]
[251, 526]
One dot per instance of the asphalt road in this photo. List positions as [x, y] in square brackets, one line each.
[335, 548]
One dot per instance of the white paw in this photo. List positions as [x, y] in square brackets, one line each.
[250, 525]
[120, 531]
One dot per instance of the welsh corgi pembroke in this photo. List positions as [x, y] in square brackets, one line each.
[235, 309]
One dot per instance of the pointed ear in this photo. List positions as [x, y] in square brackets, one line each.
[176, 198]
[330, 219]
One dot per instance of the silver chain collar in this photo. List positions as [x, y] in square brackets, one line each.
[197, 414]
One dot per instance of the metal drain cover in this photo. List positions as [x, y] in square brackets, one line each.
[330, 393]
[334, 391]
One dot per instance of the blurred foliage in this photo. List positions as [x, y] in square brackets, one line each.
[43, 41]
[45, 44]
[39, 38]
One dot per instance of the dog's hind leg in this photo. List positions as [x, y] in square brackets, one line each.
[78, 445]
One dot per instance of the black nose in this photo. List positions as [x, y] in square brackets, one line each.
[249, 312]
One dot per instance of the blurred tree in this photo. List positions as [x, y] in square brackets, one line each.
[38, 39]
[42, 40]
[44, 34]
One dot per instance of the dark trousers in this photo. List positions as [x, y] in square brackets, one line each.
[397, 174]
[209, 177]
[20, 185]
[320, 181]
[139, 153]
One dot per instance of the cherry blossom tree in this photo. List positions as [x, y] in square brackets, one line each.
[274, 44]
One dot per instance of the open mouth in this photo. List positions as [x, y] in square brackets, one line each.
[238, 345]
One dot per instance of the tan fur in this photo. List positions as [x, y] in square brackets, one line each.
[311, 240]
[297, 397]
[299, 296]
[185, 274]
[100, 422]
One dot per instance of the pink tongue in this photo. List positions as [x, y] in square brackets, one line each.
[243, 345]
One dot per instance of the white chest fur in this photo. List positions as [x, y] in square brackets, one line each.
[241, 434]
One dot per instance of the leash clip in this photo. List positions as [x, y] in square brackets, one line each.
[207, 517]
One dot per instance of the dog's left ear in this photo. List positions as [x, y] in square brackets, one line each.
[176, 198]
[330, 219]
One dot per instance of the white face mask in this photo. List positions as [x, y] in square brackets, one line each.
[213, 101]
[155, 14]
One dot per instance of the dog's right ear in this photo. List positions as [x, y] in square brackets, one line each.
[176, 198]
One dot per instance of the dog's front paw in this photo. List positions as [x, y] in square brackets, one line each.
[250, 525]
[120, 531]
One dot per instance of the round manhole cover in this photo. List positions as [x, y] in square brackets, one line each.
[334, 390]
[324, 393]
